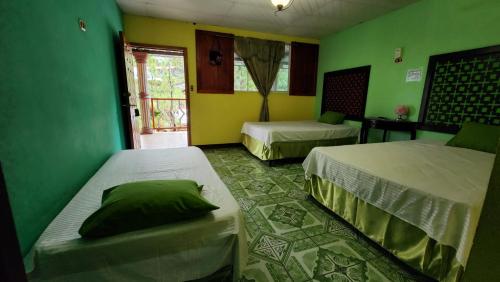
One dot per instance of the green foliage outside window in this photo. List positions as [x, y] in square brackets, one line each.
[166, 76]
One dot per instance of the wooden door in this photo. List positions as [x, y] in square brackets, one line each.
[129, 95]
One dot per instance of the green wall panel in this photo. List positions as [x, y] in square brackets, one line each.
[60, 117]
[422, 29]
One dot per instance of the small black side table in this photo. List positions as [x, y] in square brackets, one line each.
[386, 125]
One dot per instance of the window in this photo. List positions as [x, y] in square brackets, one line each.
[243, 81]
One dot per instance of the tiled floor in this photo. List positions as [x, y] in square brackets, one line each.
[162, 140]
[290, 238]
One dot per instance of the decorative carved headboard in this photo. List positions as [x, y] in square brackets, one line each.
[461, 86]
[345, 91]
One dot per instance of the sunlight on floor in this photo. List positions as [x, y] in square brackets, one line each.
[162, 140]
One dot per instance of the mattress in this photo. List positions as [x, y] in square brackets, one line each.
[179, 251]
[287, 131]
[437, 188]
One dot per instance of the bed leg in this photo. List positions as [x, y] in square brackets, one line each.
[270, 163]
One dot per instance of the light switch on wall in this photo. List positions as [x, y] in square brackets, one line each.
[398, 55]
[82, 24]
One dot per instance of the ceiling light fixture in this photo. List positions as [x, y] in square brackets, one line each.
[282, 5]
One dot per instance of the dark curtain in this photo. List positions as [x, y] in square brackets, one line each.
[262, 59]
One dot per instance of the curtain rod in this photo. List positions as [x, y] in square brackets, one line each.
[158, 50]
[225, 36]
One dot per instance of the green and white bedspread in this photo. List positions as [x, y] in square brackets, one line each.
[180, 251]
[436, 188]
[286, 131]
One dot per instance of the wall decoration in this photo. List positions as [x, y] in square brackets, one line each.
[401, 112]
[414, 75]
[345, 91]
[215, 53]
[460, 87]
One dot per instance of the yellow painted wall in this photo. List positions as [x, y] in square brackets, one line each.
[217, 118]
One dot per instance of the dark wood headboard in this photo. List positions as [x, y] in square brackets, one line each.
[345, 91]
[460, 87]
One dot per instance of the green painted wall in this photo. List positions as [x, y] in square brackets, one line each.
[60, 116]
[425, 28]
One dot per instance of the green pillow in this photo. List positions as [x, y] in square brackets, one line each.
[138, 205]
[477, 136]
[332, 118]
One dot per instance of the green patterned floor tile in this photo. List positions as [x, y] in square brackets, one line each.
[240, 177]
[296, 194]
[287, 216]
[271, 199]
[332, 225]
[260, 187]
[346, 233]
[278, 272]
[388, 266]
[238, 194]
[296, 271]
[297, 179]
[260, 219]
[271, 248]
[223, 172]
[315, 210]
[256, 273]
[290, 238]
[295, 235]
[303, 244]
[252, 229]
[242, 169]
[247, 204]
[365, 249]
[252, 260]
[325, 238]
[337, 266]
[314, 230]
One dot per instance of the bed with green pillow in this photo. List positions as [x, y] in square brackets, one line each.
[420, 200]
[155, 215]
[295, 139]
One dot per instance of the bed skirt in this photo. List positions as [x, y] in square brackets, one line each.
[292, 149]
[407, 242]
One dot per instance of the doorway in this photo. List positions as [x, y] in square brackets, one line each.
[161, 79]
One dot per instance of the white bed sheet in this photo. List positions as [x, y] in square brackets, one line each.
[438, 188]
[174, 252]
[286, 131]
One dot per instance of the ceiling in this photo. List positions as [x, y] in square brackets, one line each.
[307, 18]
